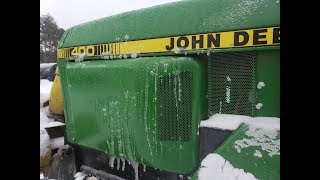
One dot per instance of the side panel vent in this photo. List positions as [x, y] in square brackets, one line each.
[175, 107]
[231, 83]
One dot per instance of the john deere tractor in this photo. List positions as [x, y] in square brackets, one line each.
[136, 86]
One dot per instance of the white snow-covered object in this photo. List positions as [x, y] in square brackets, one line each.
[45, 88]
[44, 142]
[232, 122]
[266, 139]
[261, 85]
[215, 166]
[53, 124]
[80, 176]
[57, 142]
[259, 106]
[44, 120]
[46, 65]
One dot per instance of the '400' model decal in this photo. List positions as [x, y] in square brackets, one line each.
[216, 40]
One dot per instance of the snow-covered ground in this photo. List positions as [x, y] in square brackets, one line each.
[45, 87]
[45, 122]
[44, 142]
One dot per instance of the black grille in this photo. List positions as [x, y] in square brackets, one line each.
[231, 83]
[175, 107]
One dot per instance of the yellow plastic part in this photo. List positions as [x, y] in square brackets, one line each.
[55, 102]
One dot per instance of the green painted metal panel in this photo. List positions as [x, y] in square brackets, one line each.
[116, 107]
[268, 71]
[263, 168]
[190, 16]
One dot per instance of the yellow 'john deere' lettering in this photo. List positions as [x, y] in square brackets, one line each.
[216, 40]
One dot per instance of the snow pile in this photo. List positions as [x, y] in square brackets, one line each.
[224, 121]
[232, 122]
[260, 137]
[80, 176]
[44, 142]
[46, 65]
[45, 88]
[271, 123]
[57, 142]
[83, 176]
[44, 120]
[215, 166]
[92, 178]
[52, 124]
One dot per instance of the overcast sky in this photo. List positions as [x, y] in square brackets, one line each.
[72, 12]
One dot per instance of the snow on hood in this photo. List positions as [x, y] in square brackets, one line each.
[232, 122]
[215, 166]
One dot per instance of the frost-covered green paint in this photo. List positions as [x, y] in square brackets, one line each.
[119, 85]
[268, 71]
[264, 168]
[178, 18]
[112, 106]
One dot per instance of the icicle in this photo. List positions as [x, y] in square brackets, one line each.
[111, 162]
[135, 166]
[165, 66]
[123, 163]
[179, 88]
[118, 163]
